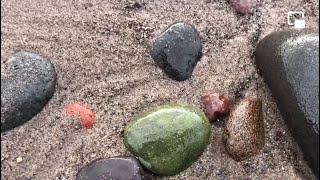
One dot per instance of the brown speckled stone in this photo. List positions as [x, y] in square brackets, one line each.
[244, 134]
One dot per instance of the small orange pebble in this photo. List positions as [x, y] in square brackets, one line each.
[86, 115]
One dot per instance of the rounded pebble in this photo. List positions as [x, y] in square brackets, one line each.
[242, 6]
[216, 106]
[28, 84]
[177, 50]
[167, 139]
[244, 133]
[115, 168]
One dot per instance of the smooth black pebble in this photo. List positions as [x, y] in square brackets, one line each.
[289, 63]
[27, 85]
[115, 168]
[177, 50]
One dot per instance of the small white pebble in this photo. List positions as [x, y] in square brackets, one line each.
[19, 159]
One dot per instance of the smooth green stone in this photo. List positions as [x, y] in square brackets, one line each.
[168, 139]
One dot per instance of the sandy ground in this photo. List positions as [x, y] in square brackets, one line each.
[101, 53]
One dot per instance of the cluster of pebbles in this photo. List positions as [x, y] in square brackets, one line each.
[168, 139]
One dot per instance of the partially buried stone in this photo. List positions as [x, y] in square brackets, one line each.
[177, 50]
[167, 139]
[244, 134]
[115, 168]
[289, 63]
[26, 87]
[242, 6]
[216, 106]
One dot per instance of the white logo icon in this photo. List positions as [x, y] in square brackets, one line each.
[297, 23]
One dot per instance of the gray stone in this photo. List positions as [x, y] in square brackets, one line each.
[289, 62]
[177, 50]
[26, 87]
[115, 168]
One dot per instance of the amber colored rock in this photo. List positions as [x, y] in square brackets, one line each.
[216, 106]
[244, 133]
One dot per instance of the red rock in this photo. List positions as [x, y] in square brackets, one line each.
[216, 106]
[86, 115]
[242, 6]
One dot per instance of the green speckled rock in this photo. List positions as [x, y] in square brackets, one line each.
[169, 138]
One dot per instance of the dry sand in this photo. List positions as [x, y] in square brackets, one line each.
[101, 53]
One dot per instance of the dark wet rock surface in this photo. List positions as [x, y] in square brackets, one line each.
[244, 134]
[114, 168]
[27, 84]
[289, 63]
[177, 50]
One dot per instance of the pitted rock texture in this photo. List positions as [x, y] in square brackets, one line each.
[26, 87]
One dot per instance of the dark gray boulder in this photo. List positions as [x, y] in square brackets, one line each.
[177, 50]
[115, 168]
[289, 63]
[27, 84]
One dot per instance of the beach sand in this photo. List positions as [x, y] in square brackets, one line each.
[100, 50]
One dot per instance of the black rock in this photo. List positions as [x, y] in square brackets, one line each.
[289, 63]
[115, 168]
[177, 50]
[26, 87]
